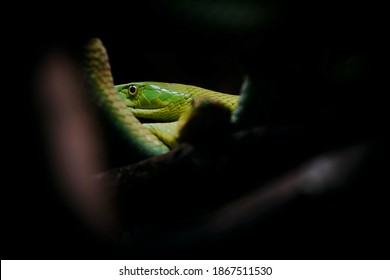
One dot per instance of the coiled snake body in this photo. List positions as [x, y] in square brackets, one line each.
[127, 103]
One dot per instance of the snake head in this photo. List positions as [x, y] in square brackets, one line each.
[154, 100]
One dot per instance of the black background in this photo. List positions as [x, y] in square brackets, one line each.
[147, 41]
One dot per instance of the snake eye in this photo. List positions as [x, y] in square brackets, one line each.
[132, 90]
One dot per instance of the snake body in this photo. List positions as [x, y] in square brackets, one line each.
[157, 101]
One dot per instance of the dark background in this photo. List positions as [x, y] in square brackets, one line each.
[297, 47]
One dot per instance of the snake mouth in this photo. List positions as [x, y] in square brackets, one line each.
[145, 104]
[140, 111]
[164, 114]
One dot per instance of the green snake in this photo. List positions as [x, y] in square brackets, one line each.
[126, 104]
